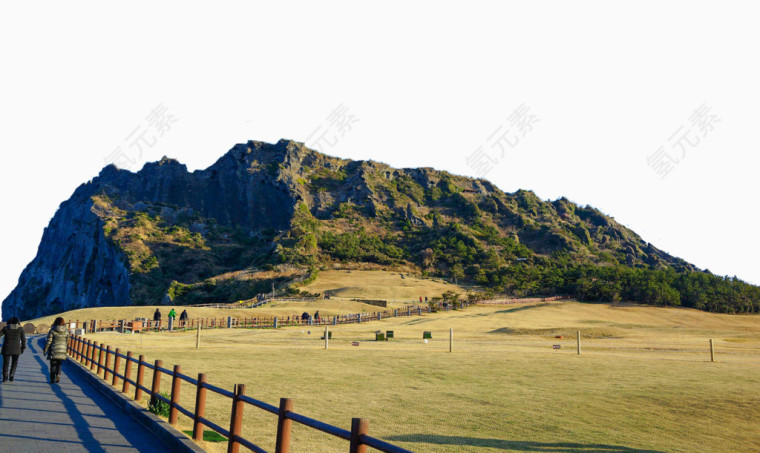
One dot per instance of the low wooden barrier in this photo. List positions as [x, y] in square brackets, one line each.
[140, 325]
[91, 354]
[526, 300]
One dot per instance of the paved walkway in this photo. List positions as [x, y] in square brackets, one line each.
[71, 416]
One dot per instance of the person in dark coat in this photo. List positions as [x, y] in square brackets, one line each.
[55, 348]
[14, 345]
[183, 316]
[157, 315]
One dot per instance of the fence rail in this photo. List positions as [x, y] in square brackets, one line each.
[524, 300]
[143, 324]
[91, 354]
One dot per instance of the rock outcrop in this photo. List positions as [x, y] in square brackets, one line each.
[75, 267]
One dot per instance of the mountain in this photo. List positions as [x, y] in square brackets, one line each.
[267, 214]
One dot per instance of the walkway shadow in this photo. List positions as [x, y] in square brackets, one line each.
[516, 445]
[84, 432]
[70, 416]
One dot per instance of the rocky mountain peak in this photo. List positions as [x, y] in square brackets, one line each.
[131, 237]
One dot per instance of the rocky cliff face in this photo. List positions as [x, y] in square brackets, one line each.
[75, 267]
[127, 238]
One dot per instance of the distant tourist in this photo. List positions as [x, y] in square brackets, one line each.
[172, 314]
[55, 348]
[316, 316]
[157, 315]
[14, 345]
[183, 316]
[305, 316]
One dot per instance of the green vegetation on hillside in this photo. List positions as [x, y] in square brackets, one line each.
[165, 257]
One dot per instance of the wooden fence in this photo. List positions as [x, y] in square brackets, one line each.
[296, 319]
[521, 300]
[98, 358]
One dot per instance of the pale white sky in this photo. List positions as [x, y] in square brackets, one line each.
[420, 84]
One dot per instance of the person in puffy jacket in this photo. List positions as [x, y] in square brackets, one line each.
[55, 348]
[14, 345]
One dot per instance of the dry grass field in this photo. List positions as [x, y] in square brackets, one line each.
[383, 285]
[644, 380]
[343, 284]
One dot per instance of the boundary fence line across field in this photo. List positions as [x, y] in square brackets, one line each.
[267, 322]
[98, 358]
[521, 300]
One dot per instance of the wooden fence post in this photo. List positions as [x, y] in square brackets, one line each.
[140, 376]
[156, 387]
[93, 355]
[712, 351]
[100, 359]
[327, 335]
[200, 408]
[176, 383]
[108, 363]
[451, 340]
[86, 358]
[116, 360]
[283, 426]
[579, 342]
[127, 373]
[359, 427]
[236, 419]
[198, 337]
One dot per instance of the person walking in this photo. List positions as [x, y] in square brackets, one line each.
[172, 314]
[14, 345]
[183, 316]
[55, 348]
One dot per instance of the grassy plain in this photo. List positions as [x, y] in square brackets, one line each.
[372, 284]
[644, 381]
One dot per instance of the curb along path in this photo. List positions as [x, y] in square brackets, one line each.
[71, 416]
